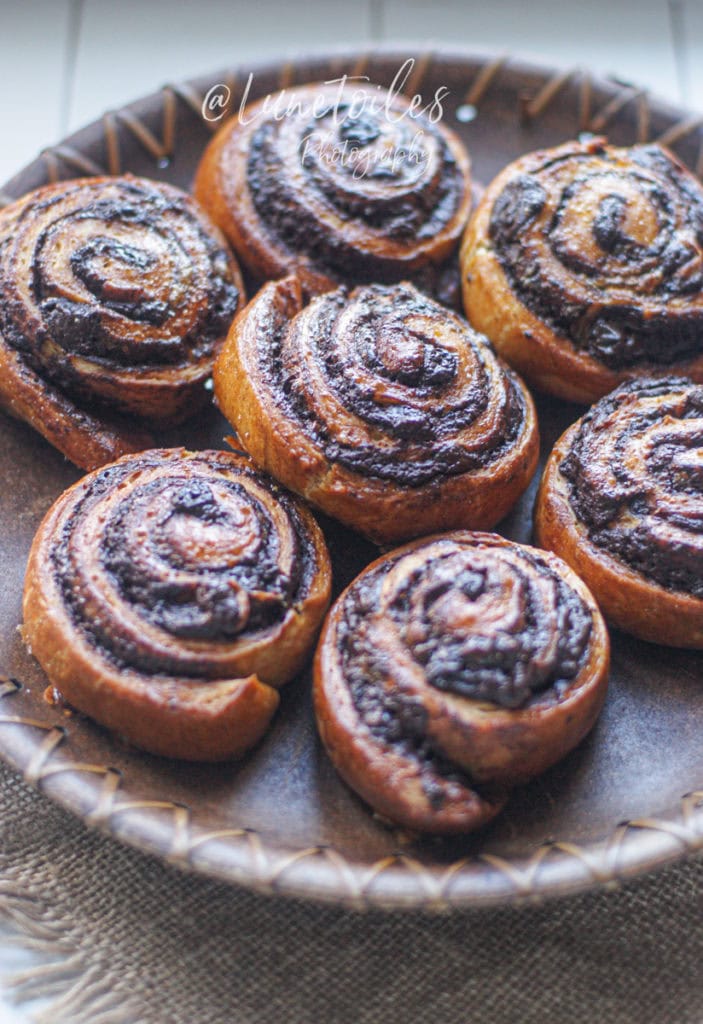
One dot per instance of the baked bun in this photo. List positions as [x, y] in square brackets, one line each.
[117, 293]
[170, 594]
[342, 186]
[379, 406]
[584, 266]
[621, 501]
[451, 669]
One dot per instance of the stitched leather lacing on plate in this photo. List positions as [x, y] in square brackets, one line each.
[64, 160]
[272, 870]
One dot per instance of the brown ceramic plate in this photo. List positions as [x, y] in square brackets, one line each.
[625, 802]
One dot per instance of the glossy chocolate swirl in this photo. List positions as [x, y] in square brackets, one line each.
[169, 561]
[118, 291]
[635, 472]
[388, 384]
[480, 619]
[457, 662]
[338, 185]
[605, 245]
[169, 594]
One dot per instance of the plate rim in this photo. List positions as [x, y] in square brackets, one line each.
[41, 750]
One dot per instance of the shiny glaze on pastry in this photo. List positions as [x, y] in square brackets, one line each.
[584, 266]
[379, 406]
[349, 187]
[169, 594]
[622, 502]
[452, 668]
[117, 293]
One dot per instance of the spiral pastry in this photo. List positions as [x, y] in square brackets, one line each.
[453, 668]
[584, 266]
[621, 501]
[340, 186]
[117, 293]
[169, 594]
[379, 406]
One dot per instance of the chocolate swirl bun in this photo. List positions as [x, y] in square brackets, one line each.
[452, 668]
[379, 406]
[117, 293]
[338, 187]
[168, 596]
[584, 266]
[621, 501]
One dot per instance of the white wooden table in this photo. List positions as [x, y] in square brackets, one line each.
[64, 62]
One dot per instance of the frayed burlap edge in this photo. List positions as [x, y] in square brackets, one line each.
[78, 990]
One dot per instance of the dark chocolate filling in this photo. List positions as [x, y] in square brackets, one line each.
[204, 601]
[416, 209]
[506, 668]
[621, 509]
[198, 268]
[504, 664]
[419, 432]
[541, 269]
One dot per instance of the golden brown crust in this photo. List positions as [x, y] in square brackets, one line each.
[87, 440]
[117, 293]
[629, 310]
[404, 667]
[159, 602]
[629, 599]
[380, 407]
[314, 194]
[388, 783]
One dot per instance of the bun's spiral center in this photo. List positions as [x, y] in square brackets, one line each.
[362, 186]
[490, 625]
[474, 619]
[606, 223]
[355, 158]
[389, 383]
[121, 272]
[606, 246]
[166, 548]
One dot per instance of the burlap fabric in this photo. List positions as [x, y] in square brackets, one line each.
[130, 939]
